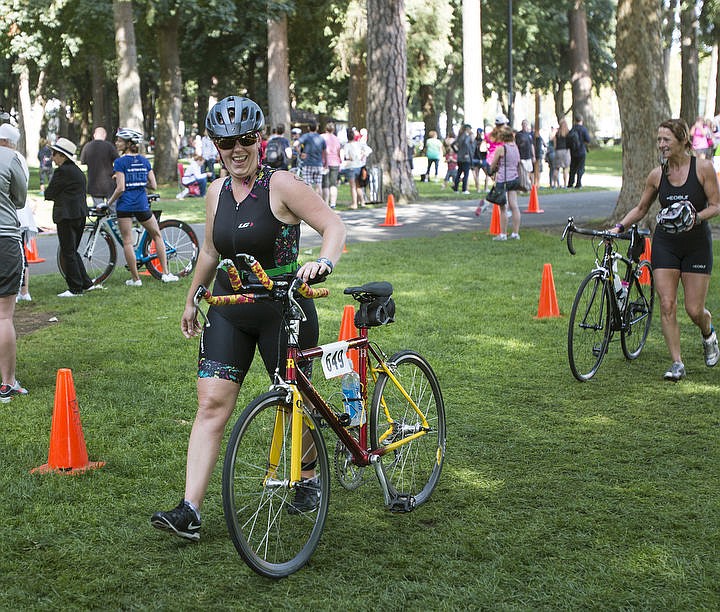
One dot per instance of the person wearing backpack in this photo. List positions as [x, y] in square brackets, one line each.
[577, 140]
[275, 155]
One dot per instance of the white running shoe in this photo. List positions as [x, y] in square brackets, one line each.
[133, 283]
[69, 293]
[675, 372]
[500, 237]
[514, 236]
[169, 278]
[710, 348]
[23, 297]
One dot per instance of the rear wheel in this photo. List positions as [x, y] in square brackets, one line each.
[181, 246]
[412, 469]
[271, 530]
[638, 312]
[98, 255]
[589, 328]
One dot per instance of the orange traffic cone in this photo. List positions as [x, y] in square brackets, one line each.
[646, 254]
[31, 252]
[533, 205]
[68, 454]
[156, 264]
[348, 331]
[495, 220]
[548, 306]
[390, 220]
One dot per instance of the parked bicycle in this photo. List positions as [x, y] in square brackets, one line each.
[608, 301]
[279, 433]
[99, 251]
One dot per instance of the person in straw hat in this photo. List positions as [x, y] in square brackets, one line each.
[68, 191]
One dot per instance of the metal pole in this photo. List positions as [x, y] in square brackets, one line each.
[511, 94]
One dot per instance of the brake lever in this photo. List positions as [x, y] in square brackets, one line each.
[199, 293]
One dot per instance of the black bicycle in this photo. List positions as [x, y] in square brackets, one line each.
[608, 301]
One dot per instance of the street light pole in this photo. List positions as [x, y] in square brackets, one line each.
[511, 94]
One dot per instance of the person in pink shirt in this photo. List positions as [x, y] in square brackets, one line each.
[331, 164]
[493, 138]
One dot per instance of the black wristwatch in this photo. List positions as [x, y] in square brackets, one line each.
[326, 261]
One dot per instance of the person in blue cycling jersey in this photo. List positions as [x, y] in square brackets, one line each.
[255, 210]
[133, 175]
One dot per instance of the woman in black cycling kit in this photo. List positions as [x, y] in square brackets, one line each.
[255, 210]
[685, 256]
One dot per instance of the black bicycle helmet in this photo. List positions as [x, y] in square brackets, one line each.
[130, 135]
[234, 116]
[676, 218]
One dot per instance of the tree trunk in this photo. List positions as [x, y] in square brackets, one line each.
[449, 102]
[169, 102]
[387, 79]
[128, 79]
[97, 80]
[278, 73]
[580, 65]
[642, 96]
[427, 103]
[30, 116]
[689, 61]
[357, 94]
[472, 63]
[668, 31]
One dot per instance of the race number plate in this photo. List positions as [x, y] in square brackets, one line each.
[335, 361]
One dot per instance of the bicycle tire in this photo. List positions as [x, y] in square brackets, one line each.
[181, 246]
[100, 263]
[638, 312]
[273, 541]
[412, 469]
[589, 329]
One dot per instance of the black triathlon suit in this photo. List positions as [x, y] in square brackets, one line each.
[227, 346]
[686, 251]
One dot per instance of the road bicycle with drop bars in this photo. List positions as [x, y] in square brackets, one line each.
[274, 515]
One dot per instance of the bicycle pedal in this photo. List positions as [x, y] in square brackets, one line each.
[402, 503]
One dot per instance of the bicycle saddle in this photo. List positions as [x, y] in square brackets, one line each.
[375, 289]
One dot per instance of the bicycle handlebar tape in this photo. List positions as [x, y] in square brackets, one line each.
[232, 272]
[264, 279]
[228, 300]
[309, 292]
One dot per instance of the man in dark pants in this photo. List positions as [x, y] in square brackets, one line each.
[578, 139]
[465, 148]
[67, 191]
[98, 155]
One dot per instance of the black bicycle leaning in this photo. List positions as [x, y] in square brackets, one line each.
[608, 301]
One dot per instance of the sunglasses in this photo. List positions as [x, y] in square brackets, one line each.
[246, 140]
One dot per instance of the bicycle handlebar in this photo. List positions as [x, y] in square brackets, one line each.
[630, 234]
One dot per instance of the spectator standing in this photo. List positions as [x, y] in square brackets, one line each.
[355, 154]
[331, 164]
[562, 153]
[550, 157]
[505, 170]
[526, 146]
[479, 161]
[450, 162]
[209, 155]
[465, 146]
[46, 164]
[539, 144]
[700, 136]
[68, 191]
[276, 149]
[433, 151]
[99, 155]
[133, 175]
[578, 141]
[12, 198]
[311, 147]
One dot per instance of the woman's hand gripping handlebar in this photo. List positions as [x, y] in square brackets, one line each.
[265, 288]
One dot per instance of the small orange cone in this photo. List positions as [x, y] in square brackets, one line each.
[646, 254]
[390, 220]
[348, 331]
[533, 205]
[68, 454]
[495, 220]
[31, 252]
[548, 305]
[156, 264]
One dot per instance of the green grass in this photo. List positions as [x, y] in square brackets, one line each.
[555, 494]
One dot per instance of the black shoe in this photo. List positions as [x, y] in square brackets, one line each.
[307, 497]
[181, 521]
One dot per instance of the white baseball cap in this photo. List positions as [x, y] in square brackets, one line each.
[9, 133]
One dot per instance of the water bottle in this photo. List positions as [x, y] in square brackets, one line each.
[138, 234]
[353, 399]
[621, 287]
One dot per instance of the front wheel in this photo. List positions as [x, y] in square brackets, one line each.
[589, 329]
[638, 311]
[272, 530]
[415, 411]
[97, 252]
[181, 247]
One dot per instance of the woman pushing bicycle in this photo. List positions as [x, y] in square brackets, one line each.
[255, 210]
[687, 188]
[133, 174]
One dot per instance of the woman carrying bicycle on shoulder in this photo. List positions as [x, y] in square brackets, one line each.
[687, 188]
[255, 210]
[133, 174]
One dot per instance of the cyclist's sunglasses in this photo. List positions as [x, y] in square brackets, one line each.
[246, 140]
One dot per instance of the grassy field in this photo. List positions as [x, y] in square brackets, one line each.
[555, 494]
